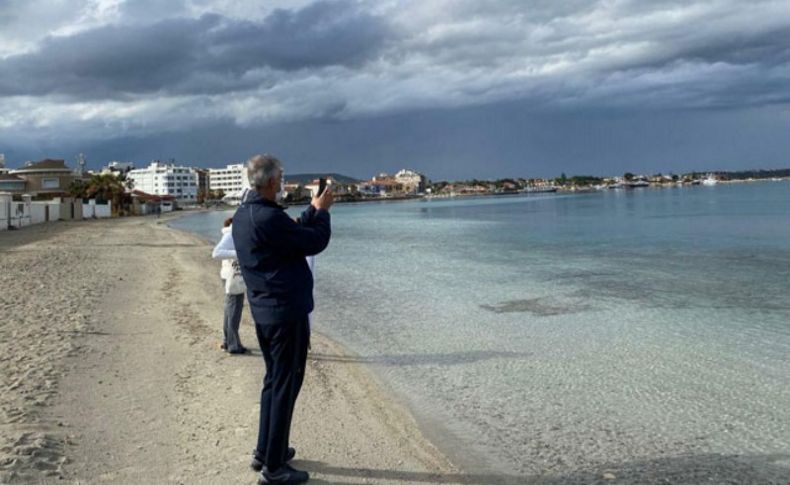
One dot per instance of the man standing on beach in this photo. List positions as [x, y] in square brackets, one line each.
[271, 250]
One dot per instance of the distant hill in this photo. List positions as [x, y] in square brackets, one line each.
[305, 178]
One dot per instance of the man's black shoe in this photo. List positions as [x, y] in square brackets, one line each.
[285, 474]
[259, 460]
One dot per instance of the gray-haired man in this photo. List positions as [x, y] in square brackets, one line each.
[271, 250]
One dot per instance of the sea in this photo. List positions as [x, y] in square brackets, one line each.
[643, 332]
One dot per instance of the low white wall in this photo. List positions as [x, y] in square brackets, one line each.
[20, 214]
[54, 211]
[77, 208]
[88, 211]
[65, 211]
[38, 212]
[94, 210]
[5, 209]
[103, 210]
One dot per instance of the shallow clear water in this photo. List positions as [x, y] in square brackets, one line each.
[556, 333]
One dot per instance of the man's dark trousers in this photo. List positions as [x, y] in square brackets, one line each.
[284, 347]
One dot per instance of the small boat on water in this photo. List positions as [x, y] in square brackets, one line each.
[710, 180]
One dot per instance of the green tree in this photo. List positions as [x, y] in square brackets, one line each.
[107, 188]
[77, 189]
[585, 180]
[628, 176]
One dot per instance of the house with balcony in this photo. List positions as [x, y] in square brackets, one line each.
[46, 178]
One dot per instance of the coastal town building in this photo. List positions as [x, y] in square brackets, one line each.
[47, 177]
[231, 179]
[116, 167]
[12, 184]
[337, 187]
[382, 185]
[297, 192]
[411, 181]
[203, 183]
[167, 179]
[661, 179]
[144, 203]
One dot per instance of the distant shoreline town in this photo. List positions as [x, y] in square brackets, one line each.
[49, 189]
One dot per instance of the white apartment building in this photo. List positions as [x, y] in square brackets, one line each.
[231, 180]
[167, 179]
[412, 181]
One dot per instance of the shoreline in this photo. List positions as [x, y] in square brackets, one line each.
[433, 430]
[439, 435]
[105, 411]
[580, 190]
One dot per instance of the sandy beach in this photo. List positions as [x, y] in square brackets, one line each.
[112, 374]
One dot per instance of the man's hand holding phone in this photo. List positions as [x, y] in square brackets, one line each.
[324, 199]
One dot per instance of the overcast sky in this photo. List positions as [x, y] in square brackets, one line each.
[456, 89]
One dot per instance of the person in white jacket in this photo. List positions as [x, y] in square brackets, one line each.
[234, 291]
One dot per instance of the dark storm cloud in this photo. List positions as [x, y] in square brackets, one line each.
[9, 11]
[324, 33]
[210, 54]
[458, 83]
[108, 61]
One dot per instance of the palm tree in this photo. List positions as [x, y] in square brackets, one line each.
[127, 182]
[106, 188]
[77, 189]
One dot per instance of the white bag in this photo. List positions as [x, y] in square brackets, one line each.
[235, 284]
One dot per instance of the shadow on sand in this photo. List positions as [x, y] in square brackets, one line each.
[680, 470]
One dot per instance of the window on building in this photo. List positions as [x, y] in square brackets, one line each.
[50, 183]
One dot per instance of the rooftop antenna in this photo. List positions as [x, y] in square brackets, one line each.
[80, 164]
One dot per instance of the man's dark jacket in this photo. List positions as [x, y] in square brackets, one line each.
[271, 250]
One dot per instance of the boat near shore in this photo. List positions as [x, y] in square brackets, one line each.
[710, 180]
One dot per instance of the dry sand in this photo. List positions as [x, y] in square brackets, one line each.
[111, 372]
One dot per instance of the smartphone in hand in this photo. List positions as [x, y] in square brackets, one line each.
[321, 186]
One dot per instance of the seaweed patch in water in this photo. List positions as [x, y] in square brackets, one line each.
[535, 306]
